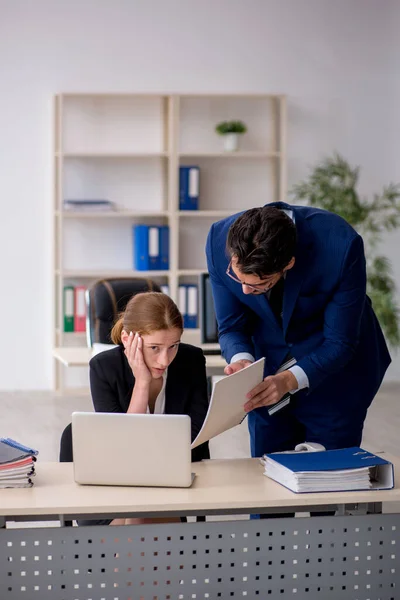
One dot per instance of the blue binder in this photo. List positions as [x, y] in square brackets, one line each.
[141, 247]
[189, 179]
[146, 247]
[192, 307]
[164, 247]
[339, 460]
[182, 302]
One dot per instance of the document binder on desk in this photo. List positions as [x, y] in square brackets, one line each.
[17, 464]
[347, 469]
[68, 307]
[19, 447]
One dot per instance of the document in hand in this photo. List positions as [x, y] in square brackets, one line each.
[348, 469]
[228, 398]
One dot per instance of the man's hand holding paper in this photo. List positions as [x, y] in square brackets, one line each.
[270, 390]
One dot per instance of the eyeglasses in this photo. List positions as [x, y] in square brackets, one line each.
[258, 287]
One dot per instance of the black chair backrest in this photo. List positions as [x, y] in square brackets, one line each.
[66, 453]
[106, 298]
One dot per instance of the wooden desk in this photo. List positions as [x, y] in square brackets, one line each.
[221, 486]
[318, 557]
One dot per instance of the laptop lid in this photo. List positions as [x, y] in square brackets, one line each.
[131, 449]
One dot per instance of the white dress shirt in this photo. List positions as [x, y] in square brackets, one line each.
[298, 372]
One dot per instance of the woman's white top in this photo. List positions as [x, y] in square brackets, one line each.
[159, 406]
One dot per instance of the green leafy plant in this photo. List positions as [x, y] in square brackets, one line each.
[332, 185]
[230, 127]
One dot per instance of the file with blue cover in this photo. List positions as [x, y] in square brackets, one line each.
[141, 247]
[191, 307]
[182, 302]
[164, 247]
[147, 255]
[347, 469]
[189, 179]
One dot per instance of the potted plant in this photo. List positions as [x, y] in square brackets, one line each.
[230, 130]
[332, 185]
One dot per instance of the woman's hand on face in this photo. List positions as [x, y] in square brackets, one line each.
[134, 354]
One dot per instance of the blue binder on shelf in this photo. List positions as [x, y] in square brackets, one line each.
[146, 247]
[163, 247]
[189, 186]
[347, 469]
[192, 306]
[141, 247]
[182, 302]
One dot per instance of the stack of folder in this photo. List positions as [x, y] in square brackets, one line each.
[17, 464]
[348, 469]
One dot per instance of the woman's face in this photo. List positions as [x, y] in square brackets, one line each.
[159, 349]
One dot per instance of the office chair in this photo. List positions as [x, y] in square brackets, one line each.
[66, 454]
[105, 299]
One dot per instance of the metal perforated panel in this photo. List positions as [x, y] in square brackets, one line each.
[341, 558]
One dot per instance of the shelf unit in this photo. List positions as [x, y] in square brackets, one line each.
[127, 148]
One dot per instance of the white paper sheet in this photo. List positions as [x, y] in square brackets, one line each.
[227, 401]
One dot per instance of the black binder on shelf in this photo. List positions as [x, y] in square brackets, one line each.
[208, 319]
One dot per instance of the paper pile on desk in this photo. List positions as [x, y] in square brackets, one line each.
[17, 464]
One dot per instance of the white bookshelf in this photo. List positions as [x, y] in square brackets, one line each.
[128, 149]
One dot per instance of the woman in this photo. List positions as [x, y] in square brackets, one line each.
[150, 371]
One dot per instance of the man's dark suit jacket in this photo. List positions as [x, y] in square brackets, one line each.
[112, 383]
[328, 326]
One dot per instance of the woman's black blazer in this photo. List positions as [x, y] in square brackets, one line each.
[112, 383]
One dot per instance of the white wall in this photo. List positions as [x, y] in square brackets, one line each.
[336, 61]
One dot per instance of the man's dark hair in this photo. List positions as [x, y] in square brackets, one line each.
[263, 240]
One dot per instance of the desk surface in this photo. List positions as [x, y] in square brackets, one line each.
[79, 357]
[219, 484]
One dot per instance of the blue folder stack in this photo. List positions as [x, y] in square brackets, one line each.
[347, 469]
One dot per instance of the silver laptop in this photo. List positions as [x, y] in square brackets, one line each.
[130, 449]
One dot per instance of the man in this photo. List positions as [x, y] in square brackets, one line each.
[290, 282]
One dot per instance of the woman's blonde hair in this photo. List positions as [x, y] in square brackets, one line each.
[145, 313]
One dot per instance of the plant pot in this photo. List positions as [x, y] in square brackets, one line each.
[231, 142]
